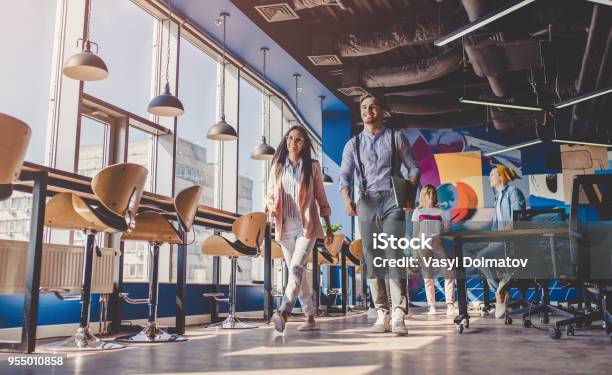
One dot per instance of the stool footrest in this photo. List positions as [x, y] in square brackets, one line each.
[217, 297]
[133, 301]
[61, 293]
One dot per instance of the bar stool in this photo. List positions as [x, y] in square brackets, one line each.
[13, 145]
[154, 227]
[118, 189]
[249, 230]
[277, 253]
[354, 252]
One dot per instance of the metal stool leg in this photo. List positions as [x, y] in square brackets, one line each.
[152, 333]
[83, 340]
[232, 321]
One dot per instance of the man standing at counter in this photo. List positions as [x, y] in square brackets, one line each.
[375, 159]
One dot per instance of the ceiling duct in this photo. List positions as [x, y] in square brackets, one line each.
[277, 12]
[425, 106]
[353, 90]
[466, 119]
[491, 59]
[387, 38]
[475, 8]
[414, 72]
[507, 120]
[323, 51]
[306, 4]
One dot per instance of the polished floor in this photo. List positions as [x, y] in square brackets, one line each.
[344, 346]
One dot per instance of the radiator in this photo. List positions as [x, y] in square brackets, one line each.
[62, 267]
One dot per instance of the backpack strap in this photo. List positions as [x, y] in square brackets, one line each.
[364, 182]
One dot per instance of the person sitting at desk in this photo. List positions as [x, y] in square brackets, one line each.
[507, 200]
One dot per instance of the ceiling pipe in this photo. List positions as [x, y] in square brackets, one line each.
[603, 79]
[586, 61]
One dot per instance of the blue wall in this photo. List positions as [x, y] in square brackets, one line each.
[55, 311]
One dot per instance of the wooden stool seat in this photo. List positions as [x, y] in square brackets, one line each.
[355, 252]
[152, 226]
[221, 246]
[13, 145]
[324, 257]
[277, 251]
[335, 247]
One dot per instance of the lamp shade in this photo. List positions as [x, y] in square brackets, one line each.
[263, 151]
[85, 66]
[166, 104]
[222, 131]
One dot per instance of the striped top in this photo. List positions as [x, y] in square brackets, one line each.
[292, 175]
[430, 221]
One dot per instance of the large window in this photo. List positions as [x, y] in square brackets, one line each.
[197, 157]
[92, 146]
[251, 179]
[26, 37]
[141, 150]
[125, 34]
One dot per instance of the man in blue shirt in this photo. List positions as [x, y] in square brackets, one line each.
[370, 156]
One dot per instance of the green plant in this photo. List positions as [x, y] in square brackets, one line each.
[334, 227]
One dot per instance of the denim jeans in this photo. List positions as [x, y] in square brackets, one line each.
[378, 213]
[296, 249]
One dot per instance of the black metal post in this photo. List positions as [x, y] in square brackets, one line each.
[153, 283]
[268, 309]
[460, 274]
[316, 278]
[86, 281]
[181, 283]
[33, 264]
[344, 274]
[216, 279]
[115, 301]
[354, 287]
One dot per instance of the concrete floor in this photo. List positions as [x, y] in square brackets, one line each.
[344, 346]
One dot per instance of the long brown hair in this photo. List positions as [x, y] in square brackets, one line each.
[278, 162]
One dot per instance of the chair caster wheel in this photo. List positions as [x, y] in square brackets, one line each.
[569, 330]
[554, 333]
[545, 319]
[460, 327]
[508, 321]
[527, 323]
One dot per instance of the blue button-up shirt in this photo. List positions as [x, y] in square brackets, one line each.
[375, 152]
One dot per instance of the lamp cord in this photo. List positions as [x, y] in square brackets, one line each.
[223, 72]
[168, 44]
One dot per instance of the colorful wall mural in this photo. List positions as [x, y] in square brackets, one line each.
[454, 162]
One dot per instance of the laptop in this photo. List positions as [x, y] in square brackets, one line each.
[404, 192]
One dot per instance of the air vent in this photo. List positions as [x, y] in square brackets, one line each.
[353, 91]
[277, 12]
[322, 60]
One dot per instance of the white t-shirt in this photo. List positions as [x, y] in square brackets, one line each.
[431, 220]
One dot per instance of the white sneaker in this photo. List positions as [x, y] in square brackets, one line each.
[431, 311]
[398, 326]
[450, 311]
[500, 310]
[307, 326]
[382, 322]
[279, 322]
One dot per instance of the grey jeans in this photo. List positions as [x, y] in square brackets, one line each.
[378, 213]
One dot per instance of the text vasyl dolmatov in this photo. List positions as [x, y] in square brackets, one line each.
[382, 241]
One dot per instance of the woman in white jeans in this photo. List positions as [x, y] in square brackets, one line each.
[430, 221]
[295, 197]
